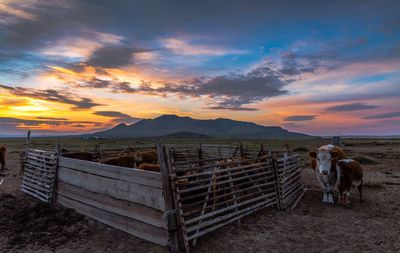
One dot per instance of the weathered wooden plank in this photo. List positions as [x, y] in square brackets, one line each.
[243, 169]
[174, 235]
[251, 210]
[121, 207]
[141, 194]
[148, 178]
[222, 210]
[224, 217]
[225, 181]
[131, 226]
[219, 196]
[34, 194]
[37, 185]
[190, 212]
[34, 190]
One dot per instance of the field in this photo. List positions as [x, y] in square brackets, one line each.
[28, 225]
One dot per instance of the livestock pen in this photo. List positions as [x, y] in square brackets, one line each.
[200, 188]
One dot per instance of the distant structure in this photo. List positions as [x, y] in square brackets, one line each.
[336, 140]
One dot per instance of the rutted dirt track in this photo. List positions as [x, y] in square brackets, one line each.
[26, 225]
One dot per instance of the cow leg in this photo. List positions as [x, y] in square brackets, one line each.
[341, 190]
[325, 199]
[330, 197]
[346, 198]
[324, 188]
[359, 189]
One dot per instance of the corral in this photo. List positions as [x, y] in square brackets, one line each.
[199, 188]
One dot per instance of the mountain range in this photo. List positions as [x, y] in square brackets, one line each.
[173, 125]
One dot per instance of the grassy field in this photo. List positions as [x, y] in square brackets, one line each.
[372, 226]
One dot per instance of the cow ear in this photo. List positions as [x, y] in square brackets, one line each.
[334, 154]
[312, 155]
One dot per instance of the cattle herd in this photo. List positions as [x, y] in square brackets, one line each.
[143, 160]
[334, 169]
[330, 163]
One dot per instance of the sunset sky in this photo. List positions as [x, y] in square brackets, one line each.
[317, 67]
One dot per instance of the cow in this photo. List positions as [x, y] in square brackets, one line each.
[124, 161]
[324, 164]
[149, 167]
[351, 174]
[146, 156]
[3, 150]
[87, 156]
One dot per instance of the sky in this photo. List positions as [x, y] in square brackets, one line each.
[316, 67]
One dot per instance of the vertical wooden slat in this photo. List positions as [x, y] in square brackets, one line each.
[170, 208]
[277, 184]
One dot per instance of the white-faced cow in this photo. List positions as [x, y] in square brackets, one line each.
[324, 163]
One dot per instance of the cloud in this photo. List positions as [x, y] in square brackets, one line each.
[351, 107]
[300, 118]
[230, 91]
[248, 109]
[80, 47]
[31, 123]
[383, 115]
[180, 46]
[113, 56]
[118, 117]
[53, 96]
[52, 118]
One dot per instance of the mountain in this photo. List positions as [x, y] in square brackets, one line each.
[220, 128]
[186, 135]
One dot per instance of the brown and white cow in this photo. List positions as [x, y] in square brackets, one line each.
[324, 162]
[351, 174]
[3, 150]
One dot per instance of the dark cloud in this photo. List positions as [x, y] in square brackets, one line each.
[113, 56]
[230, 91]
[118, 117]
[300, 118]
[54, 96]
[383, 115]
[351, 107]
[232, 108]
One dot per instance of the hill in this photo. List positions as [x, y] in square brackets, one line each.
[186, 135]
[219, 128]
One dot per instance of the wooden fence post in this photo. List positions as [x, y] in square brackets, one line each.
[57, 153]
[25, 157]
[175, 241]
[277, 184]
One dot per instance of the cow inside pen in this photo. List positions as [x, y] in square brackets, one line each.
[199, 188]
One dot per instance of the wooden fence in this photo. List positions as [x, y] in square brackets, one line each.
[128, 199]
[210, 196]
[199, 189]
[290, 183]
[39, 174]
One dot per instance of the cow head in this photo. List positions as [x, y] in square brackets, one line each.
[324, 158]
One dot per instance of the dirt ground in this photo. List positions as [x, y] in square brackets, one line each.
[27, 225]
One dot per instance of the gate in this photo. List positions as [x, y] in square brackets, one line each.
[212, 193]
[290, 182]
[39, 174]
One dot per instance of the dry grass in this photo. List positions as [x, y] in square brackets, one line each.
[366, 160]
[374, 185]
